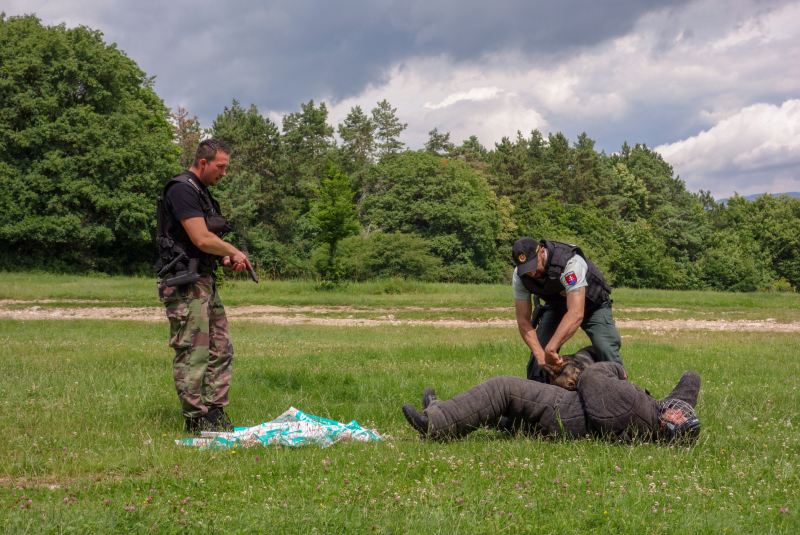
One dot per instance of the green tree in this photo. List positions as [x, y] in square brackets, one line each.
[774, 224]
[187, 133]
[447, 202]
[307, 137]
[642, 260]
[389, 129]
[334, 211]
[439, 143]
[85, 147]
[358, 141]
[253, 194]
[633, 193]
[470, 150]
[735, 262]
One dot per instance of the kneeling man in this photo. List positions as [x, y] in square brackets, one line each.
[577, 295]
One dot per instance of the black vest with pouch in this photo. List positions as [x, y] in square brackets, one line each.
[170, 245]
[549, 287]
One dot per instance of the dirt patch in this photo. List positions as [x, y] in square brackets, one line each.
[4, 302]
[92, 313]
[644, 309]
[768, 325]
[291, 315]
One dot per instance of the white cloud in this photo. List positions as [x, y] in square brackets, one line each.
[465, 106]
[753, 151]
[477, 94]
[763, 27]
[668, 78]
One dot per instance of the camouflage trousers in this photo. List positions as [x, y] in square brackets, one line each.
[203, 350]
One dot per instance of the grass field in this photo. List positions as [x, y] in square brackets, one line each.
[89, 417]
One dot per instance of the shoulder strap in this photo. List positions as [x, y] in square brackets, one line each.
[185, 178]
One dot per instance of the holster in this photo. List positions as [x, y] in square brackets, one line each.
[538, 312]
[186, 276]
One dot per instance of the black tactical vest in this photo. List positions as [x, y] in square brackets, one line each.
[549, 287]
[170, 245]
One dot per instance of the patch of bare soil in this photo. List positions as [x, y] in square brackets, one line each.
[646, 309]
[92, 313]
[289, 315]
[767, 325]
[38, 301]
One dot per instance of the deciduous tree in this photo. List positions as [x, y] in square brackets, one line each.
[85, 147]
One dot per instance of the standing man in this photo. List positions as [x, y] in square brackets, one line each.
[577, 295]
[190, 232]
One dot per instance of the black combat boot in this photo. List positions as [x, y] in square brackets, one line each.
[418, 420]
[216, 418]
[687, 389]
[199, 424]
[429, 398]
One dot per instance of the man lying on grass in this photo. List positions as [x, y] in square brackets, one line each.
[605, 404]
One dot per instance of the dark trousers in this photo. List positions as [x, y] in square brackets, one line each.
[598, 325]
[605, 404]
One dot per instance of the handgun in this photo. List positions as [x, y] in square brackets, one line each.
[166, 269]
[185, 277]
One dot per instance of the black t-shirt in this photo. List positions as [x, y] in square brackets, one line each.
[183, 201]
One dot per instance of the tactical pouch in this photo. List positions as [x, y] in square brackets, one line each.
[218, 225]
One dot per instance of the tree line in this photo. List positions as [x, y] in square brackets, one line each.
[86, 145]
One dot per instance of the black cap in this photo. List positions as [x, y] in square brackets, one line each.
[526, 255]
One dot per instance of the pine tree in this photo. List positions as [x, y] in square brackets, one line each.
[358, 140]
[307, 136]
[188, 133]
[439, 143]
[389, 129]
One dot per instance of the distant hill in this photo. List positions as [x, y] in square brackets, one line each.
[757, 195]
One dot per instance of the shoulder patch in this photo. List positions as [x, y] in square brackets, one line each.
[571, 278]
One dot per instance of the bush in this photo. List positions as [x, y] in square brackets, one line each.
[386, 255]
[642, 260]
[779, 286]
[736, 264]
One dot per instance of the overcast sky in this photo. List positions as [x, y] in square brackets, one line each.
[713, 85]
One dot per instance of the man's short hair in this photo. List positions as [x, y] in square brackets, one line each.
[207, 150]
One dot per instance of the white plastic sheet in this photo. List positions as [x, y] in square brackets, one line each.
[292, 428]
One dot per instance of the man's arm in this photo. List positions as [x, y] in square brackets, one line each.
[210, 243]
[523, 309]
[576, 301]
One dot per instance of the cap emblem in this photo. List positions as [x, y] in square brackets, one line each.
[522, 258]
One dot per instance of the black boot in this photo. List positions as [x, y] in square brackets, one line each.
[686, 390]
[418, 420]
[199, 424]
[429, 398]
[217, 419]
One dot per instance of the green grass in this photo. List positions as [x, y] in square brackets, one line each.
[88, 413]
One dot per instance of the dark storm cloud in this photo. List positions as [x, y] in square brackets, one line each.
[279, 54]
